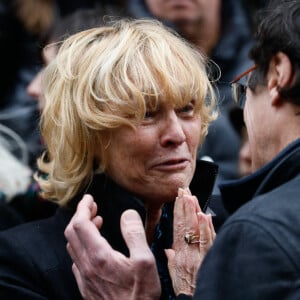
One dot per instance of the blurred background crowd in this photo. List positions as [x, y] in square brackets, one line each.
[222, 29]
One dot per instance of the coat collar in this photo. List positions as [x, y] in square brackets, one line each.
[103, 187]
[284, 167]
[113, 200]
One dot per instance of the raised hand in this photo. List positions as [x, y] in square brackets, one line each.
[100, 271]
[193, 236]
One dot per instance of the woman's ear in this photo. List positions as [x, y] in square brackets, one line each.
[280, 75]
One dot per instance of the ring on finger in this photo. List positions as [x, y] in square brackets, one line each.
[191, 238]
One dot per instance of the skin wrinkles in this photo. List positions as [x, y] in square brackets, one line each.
[158, 156]
[258, 111]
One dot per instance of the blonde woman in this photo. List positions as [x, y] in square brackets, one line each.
[126, 107]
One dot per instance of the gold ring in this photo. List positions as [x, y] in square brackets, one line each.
[191, 238]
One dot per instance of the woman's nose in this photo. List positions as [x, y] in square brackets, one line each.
[172, 130]
[34, 87]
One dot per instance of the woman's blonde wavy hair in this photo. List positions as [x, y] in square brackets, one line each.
[107, 77]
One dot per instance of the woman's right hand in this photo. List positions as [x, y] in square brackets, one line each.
[193, 235]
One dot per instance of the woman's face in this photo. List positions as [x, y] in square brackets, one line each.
[34, 89]
[184, 10]
[159, 156]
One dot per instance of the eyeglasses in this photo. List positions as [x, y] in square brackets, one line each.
[239, 89]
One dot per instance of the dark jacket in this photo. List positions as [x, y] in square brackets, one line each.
[34, 263]
[257, 252]
[8, 216]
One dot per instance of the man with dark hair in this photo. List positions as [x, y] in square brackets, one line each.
[256, 253]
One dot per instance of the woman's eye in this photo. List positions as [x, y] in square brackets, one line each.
[149, 114]
[188, 109]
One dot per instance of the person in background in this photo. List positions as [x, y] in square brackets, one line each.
[15, 175]
[126, 108]
[237, 120]
[22, 26]
[256, 253]
[78, 20]
[67, 7]
[252, 8]
[221, 29]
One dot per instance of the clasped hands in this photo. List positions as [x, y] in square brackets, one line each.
[103, 273]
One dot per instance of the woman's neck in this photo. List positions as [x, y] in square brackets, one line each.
[153, 215]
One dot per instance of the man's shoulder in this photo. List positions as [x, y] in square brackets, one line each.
[271, 218]
[34, 257]
[274, 203]
[38, 242]
[34, 229]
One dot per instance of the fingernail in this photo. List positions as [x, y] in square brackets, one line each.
[130, 216]
[180, 192]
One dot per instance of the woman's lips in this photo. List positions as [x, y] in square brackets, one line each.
[172, 164]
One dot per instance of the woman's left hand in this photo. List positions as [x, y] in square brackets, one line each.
[193, 236]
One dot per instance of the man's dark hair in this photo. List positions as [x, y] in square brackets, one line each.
[278, 31]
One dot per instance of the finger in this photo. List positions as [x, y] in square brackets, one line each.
[81, 230]
[87, 202]
[85, 210]
[83, 235]
[70, 251]
[205, 234]
[170, 254]
[134, 234]
[98, 221]
[211, 226]
[196, 203]
[179, 221]
[185, 220]
[187, 192]
[190, 213]
[80, 266]
[74, 256]
[181, 192]
[78, 279]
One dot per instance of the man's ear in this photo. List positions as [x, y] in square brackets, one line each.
[280, 75]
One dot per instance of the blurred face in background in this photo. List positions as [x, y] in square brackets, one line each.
[245, 162]
[34, 88]
[179, 11]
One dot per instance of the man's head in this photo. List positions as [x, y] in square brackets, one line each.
[198, 21]
[272, 108]
[278, 31]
